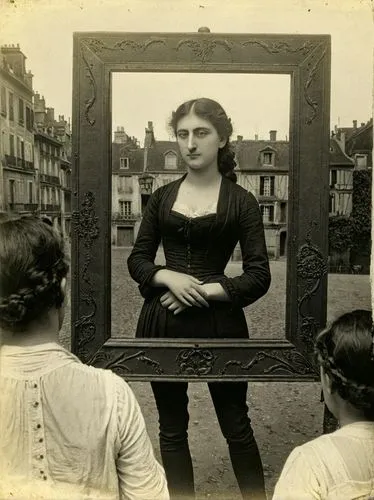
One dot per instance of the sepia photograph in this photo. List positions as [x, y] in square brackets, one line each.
[185, 249]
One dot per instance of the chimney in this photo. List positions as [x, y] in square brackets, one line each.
[50, 115]
[256, 137]
[28, 79]
[362, 124]
[342, 141]
[39, 103]
[273, 135]
[354, 123]
[239, 138]
[149, 137]
[120, 135]
[15, 58]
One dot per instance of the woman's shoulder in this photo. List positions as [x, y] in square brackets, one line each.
[318, 450]
[166, 188]
[241, 193]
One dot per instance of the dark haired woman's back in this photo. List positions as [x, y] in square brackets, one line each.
[339, 465]
[67, 430]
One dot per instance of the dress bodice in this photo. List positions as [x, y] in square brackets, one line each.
[200, 243]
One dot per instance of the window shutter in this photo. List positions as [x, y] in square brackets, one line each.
[262, 181]
[271, 213]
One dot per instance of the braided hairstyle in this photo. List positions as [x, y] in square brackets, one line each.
[213, 112]
[32, 266]
[346, 352]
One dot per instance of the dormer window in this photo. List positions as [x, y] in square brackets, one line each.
[361, 160]
[267, 158]
[171, 161]
[124, 163]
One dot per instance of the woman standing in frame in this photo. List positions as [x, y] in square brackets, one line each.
[200, 218]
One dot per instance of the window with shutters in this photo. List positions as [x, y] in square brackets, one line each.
[333, 178]
[267, 186]
[30, 192]
[29, 119]
[267, 213]
[124, 163]
[11, 187]
[11, 145]
[11, 106]
[21, 112]
[3, 101]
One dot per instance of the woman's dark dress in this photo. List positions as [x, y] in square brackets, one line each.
[201, 247]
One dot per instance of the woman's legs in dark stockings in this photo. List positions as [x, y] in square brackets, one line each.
[172, 404]
[229, 399]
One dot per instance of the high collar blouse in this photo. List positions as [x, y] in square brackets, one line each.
[68, 430]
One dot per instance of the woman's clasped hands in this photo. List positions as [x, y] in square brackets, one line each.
[184, 291]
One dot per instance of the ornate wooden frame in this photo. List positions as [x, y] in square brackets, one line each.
[306, 58]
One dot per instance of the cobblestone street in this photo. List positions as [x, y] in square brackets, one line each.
[283, 414]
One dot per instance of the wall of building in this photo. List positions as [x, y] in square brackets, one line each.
[17, 138]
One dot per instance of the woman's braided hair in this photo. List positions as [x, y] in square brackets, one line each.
[346, 352]
[32, 264]
[212, 111]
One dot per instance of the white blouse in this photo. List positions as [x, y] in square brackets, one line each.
[68, 430]
[336, 466]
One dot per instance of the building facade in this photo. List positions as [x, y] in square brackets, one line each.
[262, 169]
[35, 149]
[341, 178]
[17, 173]
[53, 165]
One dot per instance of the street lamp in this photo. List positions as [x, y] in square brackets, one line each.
[145, 183]
[145, 187]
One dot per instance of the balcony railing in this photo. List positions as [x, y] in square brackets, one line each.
[117, 216]
[28, 165]
[50, 179]
[12, 161]
[342, 187]
[23, 207]
[50, 208]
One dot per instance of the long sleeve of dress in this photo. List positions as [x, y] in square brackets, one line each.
[140, 476]
[141, 262]
[255, 280]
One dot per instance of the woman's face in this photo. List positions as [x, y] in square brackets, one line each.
[198, 142]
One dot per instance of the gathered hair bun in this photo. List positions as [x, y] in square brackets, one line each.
[361, 396]
[42, 293]
[226, 162]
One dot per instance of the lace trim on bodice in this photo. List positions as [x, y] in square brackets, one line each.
[194, 211]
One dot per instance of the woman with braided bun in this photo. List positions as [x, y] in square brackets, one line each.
[200, 218]
[67, 430]
[340, 465]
